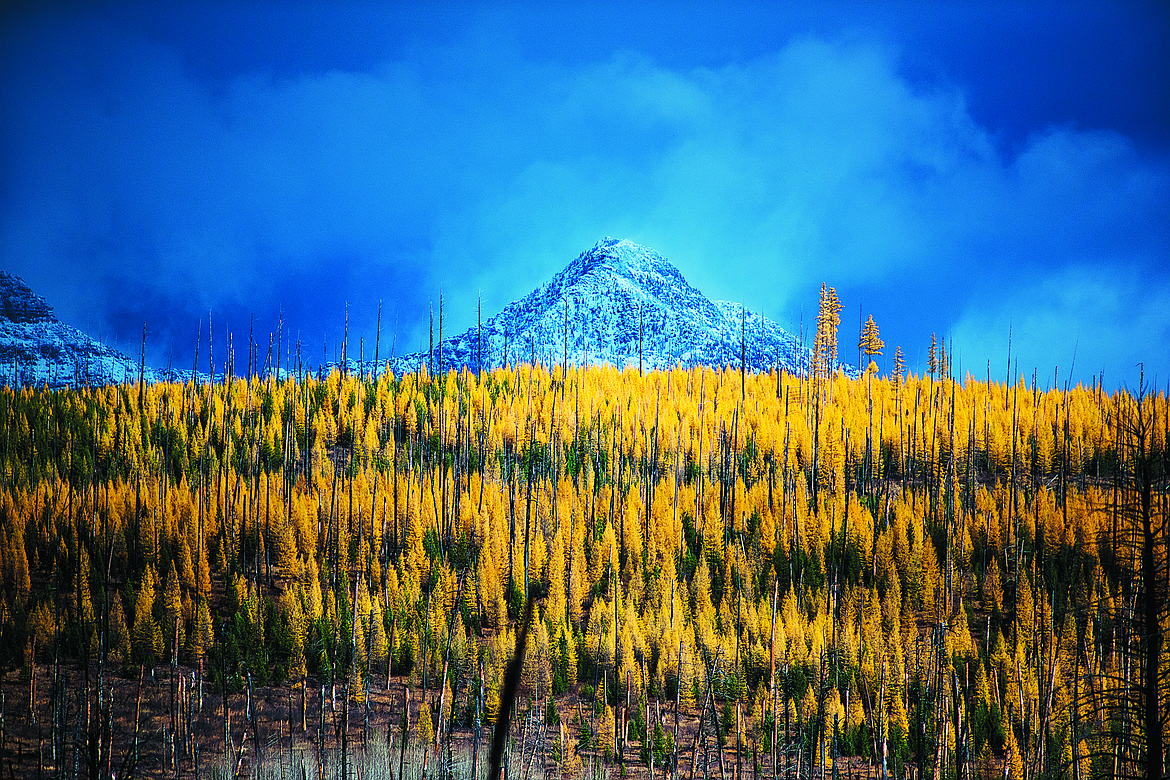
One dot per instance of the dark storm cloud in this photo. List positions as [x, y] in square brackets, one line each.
[143, 181]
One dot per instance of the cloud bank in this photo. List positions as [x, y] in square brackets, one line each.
[136, 189]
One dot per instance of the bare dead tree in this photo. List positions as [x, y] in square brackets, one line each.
[1129, 702]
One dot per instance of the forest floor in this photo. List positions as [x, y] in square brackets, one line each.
[190, 744]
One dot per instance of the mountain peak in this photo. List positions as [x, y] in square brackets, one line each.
[624, 304]
[622, 257]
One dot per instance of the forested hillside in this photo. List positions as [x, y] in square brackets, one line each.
[940, 577]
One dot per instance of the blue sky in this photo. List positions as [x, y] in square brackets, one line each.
[964, 169]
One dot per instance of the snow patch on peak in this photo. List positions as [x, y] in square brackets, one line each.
[624, 258]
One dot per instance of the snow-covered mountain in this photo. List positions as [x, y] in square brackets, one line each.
[37, 349]
[616, 303]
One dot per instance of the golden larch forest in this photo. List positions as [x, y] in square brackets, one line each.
[729, 573]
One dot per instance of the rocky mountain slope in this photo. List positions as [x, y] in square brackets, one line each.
[38, 349]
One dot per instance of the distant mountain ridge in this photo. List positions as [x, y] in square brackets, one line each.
[601, 302]
[618, 303]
